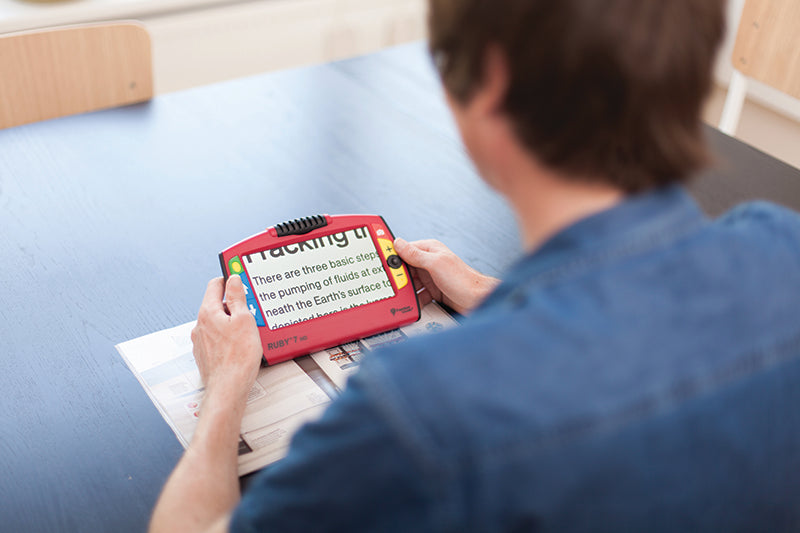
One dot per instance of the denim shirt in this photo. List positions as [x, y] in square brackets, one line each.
[638, 372]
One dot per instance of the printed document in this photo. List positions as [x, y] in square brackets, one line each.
[283, 398]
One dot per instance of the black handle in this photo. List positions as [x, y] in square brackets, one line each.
[301, 226]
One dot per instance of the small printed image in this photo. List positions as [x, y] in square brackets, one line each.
[244, 448]
[434, 326]
[193, 407]
[347, 356]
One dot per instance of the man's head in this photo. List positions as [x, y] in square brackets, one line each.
[609, 90]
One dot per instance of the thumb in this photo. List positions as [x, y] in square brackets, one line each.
[412, 254]
[235, 298]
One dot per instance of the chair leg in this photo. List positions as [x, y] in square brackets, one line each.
[737, 91]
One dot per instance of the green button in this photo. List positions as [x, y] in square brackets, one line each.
[235, 265]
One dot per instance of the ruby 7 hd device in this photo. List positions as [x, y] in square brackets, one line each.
[320, 281]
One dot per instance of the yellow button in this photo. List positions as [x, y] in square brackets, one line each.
[387, 247]
[399, 274]
[236, 267]
[400, 277]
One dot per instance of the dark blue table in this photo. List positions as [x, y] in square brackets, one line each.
[110, 225]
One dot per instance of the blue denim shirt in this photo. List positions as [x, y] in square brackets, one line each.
[639, 372]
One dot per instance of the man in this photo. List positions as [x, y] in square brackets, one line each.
[635, 371]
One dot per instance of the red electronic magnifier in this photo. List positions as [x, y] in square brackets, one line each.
[320, 281]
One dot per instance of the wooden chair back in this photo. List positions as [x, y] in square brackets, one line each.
[64, 71]
[767, 45]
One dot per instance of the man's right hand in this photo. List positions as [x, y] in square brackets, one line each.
[444, 275]
[226, 344]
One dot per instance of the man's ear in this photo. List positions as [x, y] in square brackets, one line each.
[490, 95]
[484, 126]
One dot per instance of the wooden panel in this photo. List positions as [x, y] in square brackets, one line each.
[63, 71]
[768, 44]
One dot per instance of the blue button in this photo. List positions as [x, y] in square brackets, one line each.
[248, 291]
[252, 302]
[256, 313]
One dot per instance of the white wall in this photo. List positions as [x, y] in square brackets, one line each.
[235, 40]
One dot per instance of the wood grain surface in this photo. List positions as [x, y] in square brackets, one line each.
[63, 71]
[768, 44]
[110, 225]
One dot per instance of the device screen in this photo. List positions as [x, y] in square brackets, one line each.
[317, 277]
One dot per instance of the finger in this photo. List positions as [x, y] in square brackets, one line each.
[412, 254]
[416, 279]
[421, 278]
[424, 298]
[235, 297]
[212, 301]
[414, 271]
[430, 245]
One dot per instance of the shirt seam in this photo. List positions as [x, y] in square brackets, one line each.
[675, 394]
[577, 266]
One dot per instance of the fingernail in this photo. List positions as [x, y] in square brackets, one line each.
[400, 243]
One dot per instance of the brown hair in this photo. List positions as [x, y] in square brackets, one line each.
[603, 89]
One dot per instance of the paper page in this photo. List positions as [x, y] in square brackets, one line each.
[342, 361]
[283, 398]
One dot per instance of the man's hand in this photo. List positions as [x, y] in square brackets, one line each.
[204, 488]
[444, 275]
[227, 347]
